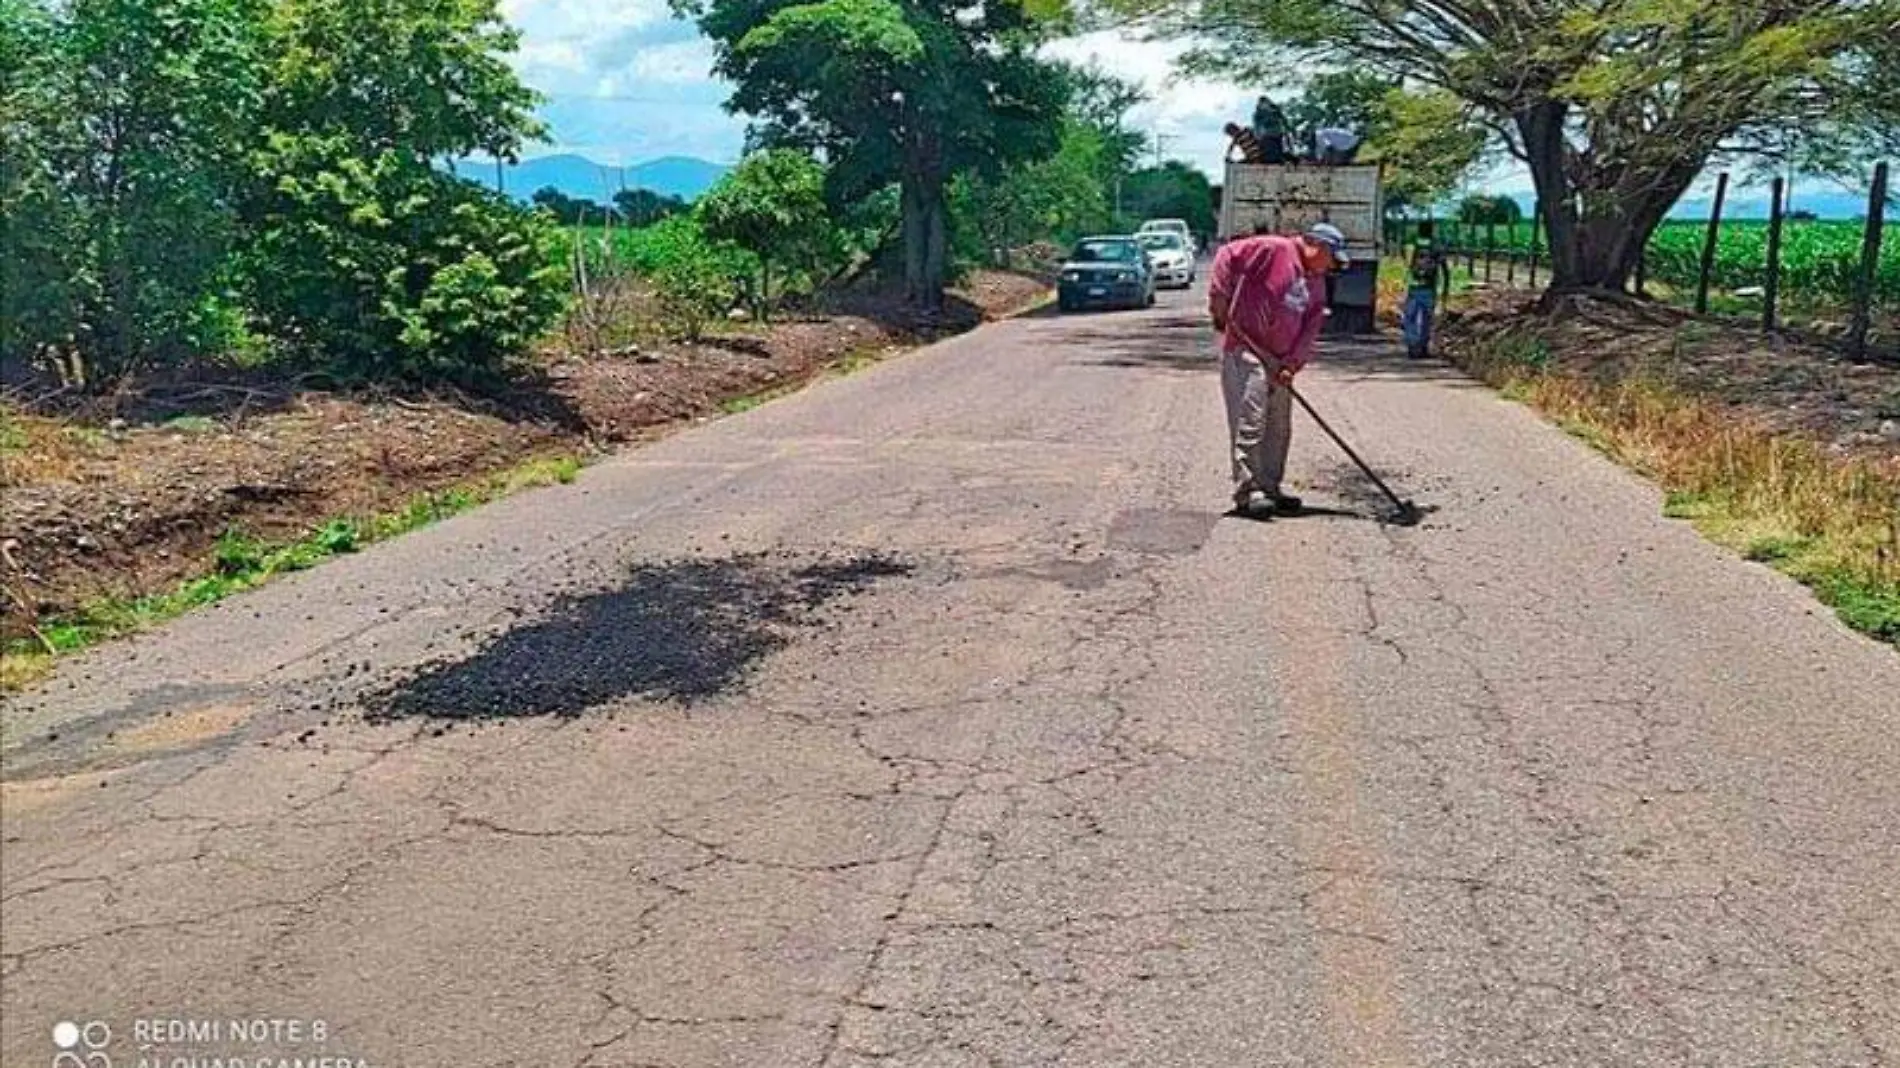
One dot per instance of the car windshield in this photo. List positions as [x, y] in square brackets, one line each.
[1160, 241]
[1106, 252]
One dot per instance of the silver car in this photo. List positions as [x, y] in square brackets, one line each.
[1172, 258]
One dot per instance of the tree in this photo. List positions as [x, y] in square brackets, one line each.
[1351, 99]
[567, 210]
[1426, 139]
[1055, 198]
[361, 250]
[125, 129]
[644, 207]
[1173, 190]
[1489, 210]
[1428, 142]
[772, 205]
[1100, 102]
[1615, 108]
[907, 93]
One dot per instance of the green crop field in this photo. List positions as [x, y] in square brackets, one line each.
[619, 245]
[1819, 260]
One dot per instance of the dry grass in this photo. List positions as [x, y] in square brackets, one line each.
[39, 449]
[1827, 519]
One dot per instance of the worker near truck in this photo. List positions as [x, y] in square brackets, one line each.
[1425, 271]
[1267, 298]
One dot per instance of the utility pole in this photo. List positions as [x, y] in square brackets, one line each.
[1161, 140]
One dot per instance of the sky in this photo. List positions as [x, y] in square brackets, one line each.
[627, 82]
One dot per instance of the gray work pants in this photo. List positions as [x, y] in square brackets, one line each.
[1259, 421]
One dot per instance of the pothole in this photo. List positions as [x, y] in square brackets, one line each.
[1161, 531]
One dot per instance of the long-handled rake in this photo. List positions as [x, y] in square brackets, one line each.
[1408, 513]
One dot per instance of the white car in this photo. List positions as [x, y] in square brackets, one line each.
[1172, 257]
[1172, 226]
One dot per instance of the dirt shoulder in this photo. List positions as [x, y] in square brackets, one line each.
[127, 496]
[1781, 450]
[1783, 384]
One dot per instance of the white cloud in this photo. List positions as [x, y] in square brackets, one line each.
[1184, 114]
[679, 63]
[627, 81]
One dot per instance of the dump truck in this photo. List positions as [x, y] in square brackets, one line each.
[1289, 197]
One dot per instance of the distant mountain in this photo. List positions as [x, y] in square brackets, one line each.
[578, 176]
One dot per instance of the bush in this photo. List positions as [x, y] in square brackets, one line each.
[116, 198]
[695, 278]
[385, 267]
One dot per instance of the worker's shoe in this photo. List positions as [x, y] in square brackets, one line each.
[1255, 504]
[1286, 504]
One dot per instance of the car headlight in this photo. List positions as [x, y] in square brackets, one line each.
[1125, 276]
[1071, 276]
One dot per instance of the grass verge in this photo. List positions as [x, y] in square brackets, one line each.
[242, 562]
[1830, 522]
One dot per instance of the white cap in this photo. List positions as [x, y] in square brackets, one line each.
[1333, 238]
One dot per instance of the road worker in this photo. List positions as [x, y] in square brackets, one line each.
[1267, 298]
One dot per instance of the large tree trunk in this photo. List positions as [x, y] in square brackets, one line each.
[925, 208]
[1598, 219]
[925, 251]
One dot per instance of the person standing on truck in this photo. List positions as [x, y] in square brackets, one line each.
[1423, 274]
[1270, 130]
[1334, 146]
[1267, 298]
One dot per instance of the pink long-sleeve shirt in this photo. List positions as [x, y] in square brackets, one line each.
[1271, 305]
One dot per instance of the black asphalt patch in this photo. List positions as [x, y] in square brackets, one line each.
[683, 630]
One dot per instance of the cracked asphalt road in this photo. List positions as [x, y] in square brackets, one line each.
[1085, 774]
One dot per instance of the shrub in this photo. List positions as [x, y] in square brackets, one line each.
[695, 278]
[386, 267]
[116, 197]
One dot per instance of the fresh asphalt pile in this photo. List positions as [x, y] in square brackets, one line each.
[683, 630]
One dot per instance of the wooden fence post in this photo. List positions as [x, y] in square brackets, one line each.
[1490, 248]
[1771, 287]
[1869, 263]
[1537, 220]
[1708, 245]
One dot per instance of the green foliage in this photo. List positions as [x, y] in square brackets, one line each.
[391, 268]
[1488, 210]
[772, 205]
[630, 207]
[427, 78]
[696, 279]
[182, 172]
[1058, 198]
[644, 207]
[1353, 99]
[911, 93]
[125, 124]
[1615, 108]
[1061, 195]
[1427, 139]
[1820, 260]
[566, 210]
[1173, 190]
